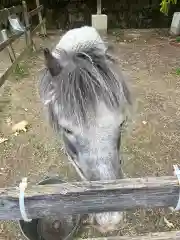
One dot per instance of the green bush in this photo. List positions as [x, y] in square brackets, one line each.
[165, 5]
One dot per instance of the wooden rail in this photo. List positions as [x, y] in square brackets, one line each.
[35, 11]
[88, 197]
[5, 75]
[173, 235]
[10, 40]
[37, 27]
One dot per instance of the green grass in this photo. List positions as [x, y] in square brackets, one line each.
[178, 39]
[21, 71]
[178, 71]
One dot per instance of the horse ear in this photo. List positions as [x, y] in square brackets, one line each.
[52, 63]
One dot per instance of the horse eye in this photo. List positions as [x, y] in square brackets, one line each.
[68, 131]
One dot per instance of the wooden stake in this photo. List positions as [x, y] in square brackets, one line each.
[26, 19]
[10, 49]
[99, 7]
[43, 28]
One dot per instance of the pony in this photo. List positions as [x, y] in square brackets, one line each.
[85, 97]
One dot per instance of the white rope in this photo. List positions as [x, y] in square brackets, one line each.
[177, 174]
[74, 163]
[77, 168]
[22, 187]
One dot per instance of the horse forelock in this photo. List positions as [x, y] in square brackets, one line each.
[88, 76]
[80, 39]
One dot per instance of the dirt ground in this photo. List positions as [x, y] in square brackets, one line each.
[151, 139]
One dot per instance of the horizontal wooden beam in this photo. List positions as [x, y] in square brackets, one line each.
[172, 235]
[89, 197]
[13, 66]
[37, 27]
[10, 40]
[35, 11]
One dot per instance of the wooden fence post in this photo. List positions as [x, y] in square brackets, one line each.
[9, 48]
[99, 7]
[27, 25]
[43, 27]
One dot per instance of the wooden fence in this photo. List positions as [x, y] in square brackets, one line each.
[94, 197]
[29, 33]
[173, 235]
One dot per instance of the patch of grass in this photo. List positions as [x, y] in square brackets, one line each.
[178, 71]
[4, 99]
[21, 71]
[178, 39]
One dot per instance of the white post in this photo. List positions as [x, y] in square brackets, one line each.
[99, 20]
[175, 24]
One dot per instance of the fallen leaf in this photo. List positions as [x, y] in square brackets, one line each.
[3, 140]
[21, 126]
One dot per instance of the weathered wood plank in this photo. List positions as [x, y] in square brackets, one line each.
[11, 68]
[172, 235]
[10, 40]
[35, 11]
[88, 197]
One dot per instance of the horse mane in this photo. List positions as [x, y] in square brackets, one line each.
[85, 78]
